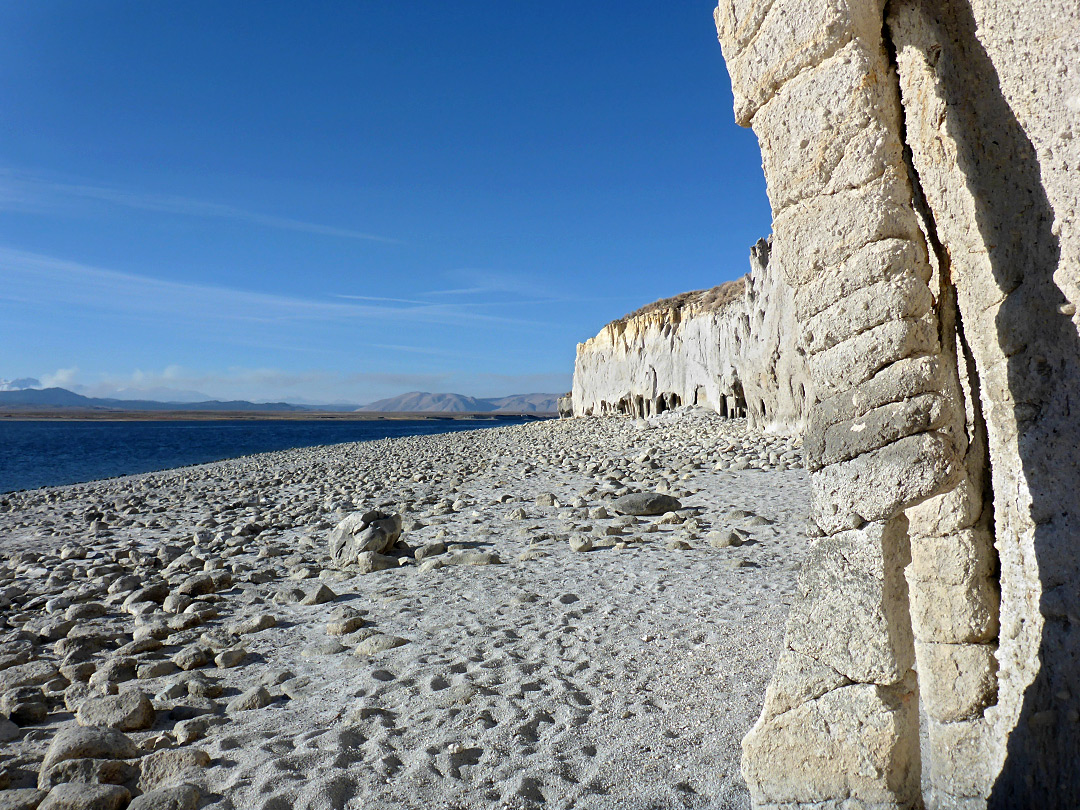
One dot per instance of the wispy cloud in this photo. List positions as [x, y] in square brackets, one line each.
[24, 192]
[386, 300]
[38, 279]
[488, 288]
[525, 383]
[425, 350]
[61, 378]
[488, 282]
[502, 302]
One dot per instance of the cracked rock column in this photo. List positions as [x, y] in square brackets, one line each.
[840, 722]
[990, 119]
[932, 242]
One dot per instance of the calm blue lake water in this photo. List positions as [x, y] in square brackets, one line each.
[46, 453]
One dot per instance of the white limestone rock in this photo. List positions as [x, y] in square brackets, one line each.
[733, 349]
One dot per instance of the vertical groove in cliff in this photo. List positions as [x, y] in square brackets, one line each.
[980, 438]
[950, 322]
[918, 196]
[971, 434]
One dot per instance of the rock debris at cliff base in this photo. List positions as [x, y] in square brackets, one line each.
[526, 645]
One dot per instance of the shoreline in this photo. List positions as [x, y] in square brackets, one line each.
[236, 452]
[87, 415]
[528, 674]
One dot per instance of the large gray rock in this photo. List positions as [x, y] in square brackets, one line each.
[181, 797]
[253, 624]
[379, 643]
[87, 771]
[471, 556]
[197, 585]
[255, 698]
[368, 562]
[645, 504]
[581, 543]
[8, 731]
[77, 796]
[318, 595]
[432, 549]
[170, 767]
[130, 710]
[24, 706]
[33, 673]
[93, 742]
[21, 799]
[360, 532]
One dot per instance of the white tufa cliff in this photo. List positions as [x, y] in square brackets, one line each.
[732, 349]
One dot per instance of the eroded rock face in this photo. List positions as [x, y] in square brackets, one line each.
[921, 159]
[734, 349]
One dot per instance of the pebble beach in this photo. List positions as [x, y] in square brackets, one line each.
[194, 638]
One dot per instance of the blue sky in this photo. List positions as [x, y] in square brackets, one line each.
[341, 201]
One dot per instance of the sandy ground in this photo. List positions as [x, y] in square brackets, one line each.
[622, 677]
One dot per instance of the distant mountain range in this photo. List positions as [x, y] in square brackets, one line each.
[413, 402]
[62, 398]
[424, 402]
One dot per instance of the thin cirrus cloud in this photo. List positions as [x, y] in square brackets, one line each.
[457, 305]
[384, 300]
[394, 347]
[23, 192]
[45, 280]
[486, 282]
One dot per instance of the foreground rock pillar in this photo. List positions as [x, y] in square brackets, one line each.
[921, 159]
[991, 118]
[840, 722]
[954, 604]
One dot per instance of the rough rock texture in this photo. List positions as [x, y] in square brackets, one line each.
[565, 404]
[733, 349]
[130, 710]
[922, 161]
[364, 532]
[645, 503]
[96, 742]
[75, 796]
